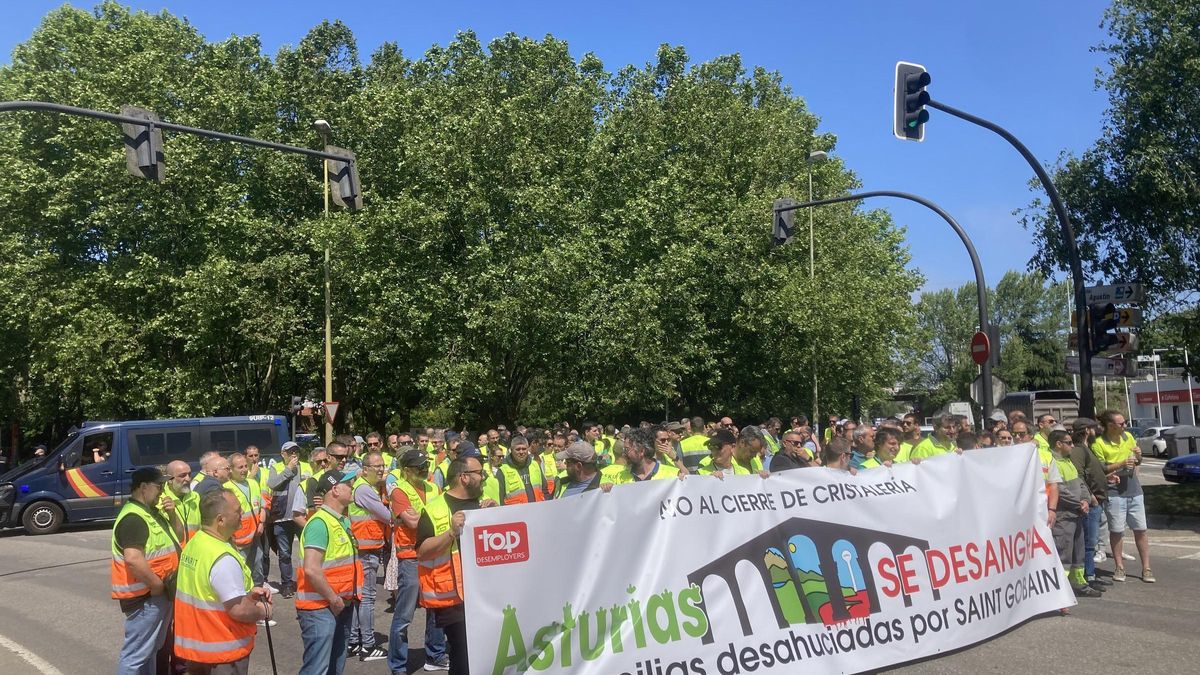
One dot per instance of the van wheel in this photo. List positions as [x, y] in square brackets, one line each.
[42, 518]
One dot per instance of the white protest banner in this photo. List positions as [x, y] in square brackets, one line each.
[811, 568]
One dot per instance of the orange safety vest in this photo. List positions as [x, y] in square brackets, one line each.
[204, 631]
[440, 578]
[161, 552]
[342, 568]
[369, 533]
[404, 539]
[251, 508]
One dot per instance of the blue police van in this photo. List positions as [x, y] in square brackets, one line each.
[87, 476]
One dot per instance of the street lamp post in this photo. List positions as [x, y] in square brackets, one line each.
[980, 283]
[814, 157]
[323, 128]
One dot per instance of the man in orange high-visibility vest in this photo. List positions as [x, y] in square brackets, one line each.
[145, 558]
[217, 604]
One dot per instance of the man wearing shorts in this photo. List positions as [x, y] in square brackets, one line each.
[1126, 507]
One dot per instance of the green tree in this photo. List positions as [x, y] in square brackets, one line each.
[543, 238]
[1133, 196]
[1031, 315]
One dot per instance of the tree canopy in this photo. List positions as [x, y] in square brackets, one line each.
[1133, 197]
[1032, 316]
[542, 238]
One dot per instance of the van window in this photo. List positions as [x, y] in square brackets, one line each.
[159, 446]
[235, 439]
[97, 448]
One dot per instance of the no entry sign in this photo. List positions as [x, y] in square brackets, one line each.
[980, 348]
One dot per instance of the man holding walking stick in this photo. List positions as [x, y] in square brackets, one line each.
[217, 604]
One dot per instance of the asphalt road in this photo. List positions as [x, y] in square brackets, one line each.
[1150, 472]
[58, 615]
[57, 607]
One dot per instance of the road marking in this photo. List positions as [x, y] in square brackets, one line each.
[32, 659]
[1155, 543]
[1194, 556]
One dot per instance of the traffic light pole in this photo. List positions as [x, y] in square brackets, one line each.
[153, 124]
[1087, 396]
[980, 283]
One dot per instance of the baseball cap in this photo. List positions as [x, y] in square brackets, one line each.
[451, 436]
[291, 446]
[580, 451]
[674, 426]
[147, 474]
[331, 478]
[1083, 423]
[413, 457]
[468, 449]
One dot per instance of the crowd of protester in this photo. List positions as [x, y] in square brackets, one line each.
[192, 554]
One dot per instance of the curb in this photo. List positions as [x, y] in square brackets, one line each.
[1168, 522]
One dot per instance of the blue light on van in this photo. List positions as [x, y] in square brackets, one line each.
[24, 489]
[278, 421]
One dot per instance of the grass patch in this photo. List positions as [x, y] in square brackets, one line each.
[1173, 500]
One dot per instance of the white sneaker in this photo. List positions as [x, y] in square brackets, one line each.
[274, 590]
[1128, 556]
[268, 622]
[1099, 557]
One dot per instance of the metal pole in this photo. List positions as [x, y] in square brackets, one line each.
[1187, 366]
[1105, 384]
[328, 322]
[1157, 395]
[980, 282]
[125, 119]
[1087, 400]
[1079, 326]
[1128, 401]
[812, 276]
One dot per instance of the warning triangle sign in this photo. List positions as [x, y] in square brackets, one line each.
[331, 408]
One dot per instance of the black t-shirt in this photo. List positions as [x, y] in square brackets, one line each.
[783, 462]
[445, 616]
[132, 532]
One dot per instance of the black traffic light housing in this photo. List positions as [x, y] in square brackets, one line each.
[910, 98]
[784, 226]
[143, 145]
[344, 187]
[1104, 321]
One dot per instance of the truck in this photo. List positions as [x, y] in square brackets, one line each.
[1062, 403]
[86, 477]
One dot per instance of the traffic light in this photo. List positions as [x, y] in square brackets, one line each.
[785, 222]
[908, 107]
[143, 145]
[343, 179]
[1104, 321]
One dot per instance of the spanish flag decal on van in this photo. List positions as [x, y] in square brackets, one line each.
[82, 486]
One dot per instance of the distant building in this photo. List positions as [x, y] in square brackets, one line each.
[1171, 396]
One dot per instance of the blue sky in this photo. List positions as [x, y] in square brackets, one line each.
[840, 56]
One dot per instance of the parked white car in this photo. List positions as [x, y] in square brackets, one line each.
[1152, 443]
